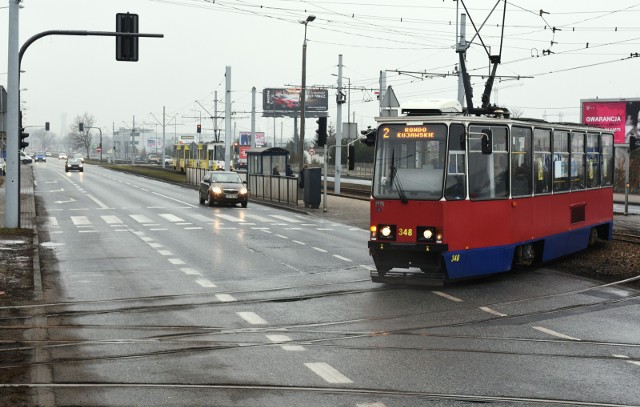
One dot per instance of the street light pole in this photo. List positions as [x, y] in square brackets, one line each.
[303, 91]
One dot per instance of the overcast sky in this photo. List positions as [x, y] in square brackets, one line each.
[262, 43]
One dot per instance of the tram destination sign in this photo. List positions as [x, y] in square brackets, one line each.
[409, 132]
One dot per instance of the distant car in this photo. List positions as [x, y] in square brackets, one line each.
[40, 156]
[153, 159]
[25, 158]
[62, 156]
[168, 161]
[47, 153]
[3, 166]
[223, 187]
[73, 164]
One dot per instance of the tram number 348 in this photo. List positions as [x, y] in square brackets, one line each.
[405, 232]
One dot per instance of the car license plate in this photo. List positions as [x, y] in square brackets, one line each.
[231, 196]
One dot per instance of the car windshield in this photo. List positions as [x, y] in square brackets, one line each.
[228, 177]
[74, 160]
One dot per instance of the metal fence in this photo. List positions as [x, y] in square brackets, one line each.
[274, 188]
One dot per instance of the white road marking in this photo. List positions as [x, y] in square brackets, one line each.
[266, 231]
[286, 218]
[324, 229]
[378, 404]
[88, 231]
[328, 373]
[447, 296]
[319, 249]
[621, 356]
[146, 238]
[194, 228]
[285, 338]
[554, 333]
[202, 218]
[634, 362]
[282, 236]
[260, 228]
[165, 253]
[258, 218]
[299, 242]
[176, 261]
[98, 202]
[175, 200]
[111, 219]
[154, 245]
[141, 219]
[225, 298]
[252, 318]
[369, 268]
[170, 217]
[341, 258]
[205, 283]
[183, 223]
[80, 220]
[157, 229]
[229, 217]
[490, 311]
[190, 271]
[52, 221]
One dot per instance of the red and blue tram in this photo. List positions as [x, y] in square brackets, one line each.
[457, 196]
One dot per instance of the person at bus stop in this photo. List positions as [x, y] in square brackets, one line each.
[276, 171]
[288, 171]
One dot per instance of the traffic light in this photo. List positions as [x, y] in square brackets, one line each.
[126, 47]
[23, 135]
[46, 126]
[199, 128]
[351, 157]
[80, 126]
[634, 142]
[369, 136]
[322, 131]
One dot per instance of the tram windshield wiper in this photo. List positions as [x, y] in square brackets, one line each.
[396, 180]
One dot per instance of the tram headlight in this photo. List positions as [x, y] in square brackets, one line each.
[386, 232]
[429, 234]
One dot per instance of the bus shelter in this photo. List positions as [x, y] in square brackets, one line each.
[266, 175]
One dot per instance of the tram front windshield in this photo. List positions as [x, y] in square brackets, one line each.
[410, 161]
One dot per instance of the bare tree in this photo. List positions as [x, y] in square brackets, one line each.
[81, 139]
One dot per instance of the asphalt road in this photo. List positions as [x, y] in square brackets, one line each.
[156, 300]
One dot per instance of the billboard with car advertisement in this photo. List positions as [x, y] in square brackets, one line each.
[618, 115]
[286, 101]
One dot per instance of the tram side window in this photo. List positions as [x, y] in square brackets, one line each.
[577, 161]
[488, 173]
[593, 161]
[561, 161]
[455, 184]
[542, 160]
[607, 157]
[521, 161]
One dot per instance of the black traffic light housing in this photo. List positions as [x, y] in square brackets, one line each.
[127, 47]
[46, 126]
[351, 157]
[23, 135]
[80, 126]
[199, 128]
[322, 131]
[369, 136]
[634, 142]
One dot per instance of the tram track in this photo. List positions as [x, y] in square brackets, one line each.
[627, 237]
[261, 388]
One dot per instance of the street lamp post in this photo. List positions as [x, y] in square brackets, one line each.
[303, 91]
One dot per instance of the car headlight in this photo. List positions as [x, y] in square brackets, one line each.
[243, 191]
[216, 190]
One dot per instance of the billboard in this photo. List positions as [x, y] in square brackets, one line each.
[245, 138]
[621, 116]
[286, 101]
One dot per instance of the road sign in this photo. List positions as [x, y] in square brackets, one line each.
[98, 150]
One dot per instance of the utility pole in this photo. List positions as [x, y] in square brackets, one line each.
[164, 114]
[253, 118]
[338, 158]
[227, 119]
[462, 46]
[383, 88]
[12, 180]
